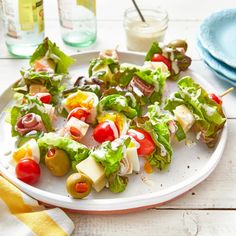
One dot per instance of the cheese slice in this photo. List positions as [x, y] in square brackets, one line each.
[100, 185]
[92, 169]
[50, 109]
[132, 155]
[154, 65]
[37, 88]
[184, 116]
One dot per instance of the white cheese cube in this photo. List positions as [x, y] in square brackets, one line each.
[37, 88]
[184, 116]
[50, 110]
[132, 155]
[154, 65]
[100, 185]
[92, 169]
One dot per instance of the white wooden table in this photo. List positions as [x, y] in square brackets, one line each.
[210, 208]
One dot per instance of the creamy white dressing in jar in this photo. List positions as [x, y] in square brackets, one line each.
[140, 35]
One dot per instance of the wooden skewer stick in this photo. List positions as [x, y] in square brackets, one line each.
[227, 91]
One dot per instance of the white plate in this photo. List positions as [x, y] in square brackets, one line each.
[189, 166]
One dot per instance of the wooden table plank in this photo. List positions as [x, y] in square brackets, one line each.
[158, 222]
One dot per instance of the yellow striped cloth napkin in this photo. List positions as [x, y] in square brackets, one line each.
[21, 215]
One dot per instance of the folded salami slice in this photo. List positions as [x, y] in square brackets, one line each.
[145, 88]
[28, 123]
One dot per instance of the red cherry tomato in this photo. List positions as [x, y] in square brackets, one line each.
[215, 98]
[160, 58]
[106, 131]
[80, 113]
[44, 97]
[147, 145]
[28, 171]
[81, 187]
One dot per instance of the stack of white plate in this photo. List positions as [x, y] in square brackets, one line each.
[216, 44]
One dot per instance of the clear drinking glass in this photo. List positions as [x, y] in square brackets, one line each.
[140, 35]
[78, 22]
[23, 26]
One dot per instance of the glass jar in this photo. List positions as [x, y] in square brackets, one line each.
[140, 35]
[23, 26]
[78, 22]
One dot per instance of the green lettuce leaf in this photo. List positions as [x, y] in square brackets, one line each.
[156, 79]
[158, 116]
[118, 103]
[109, 154]
[94, 88]
[153, 49]
[105, 70]
[180, 134]
[53, 82]
[156, 124]
[51, 51]
[133, 99]
[180, 61]
[117, 184]
[76, 151]
[161, 157]
[32, 105]
[15, 115]
[31, 135]
[209, 117]
[127, 72]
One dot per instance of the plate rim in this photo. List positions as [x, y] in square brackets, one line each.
[220, 76]
[215, 64]
[124, 204]
[205, 40]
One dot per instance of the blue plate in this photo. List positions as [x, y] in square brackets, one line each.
[218, 36]
[217, 65]
[220, 76]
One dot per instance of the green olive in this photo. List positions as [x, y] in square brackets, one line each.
[179, 43]
[78, 185]
[57, 161]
